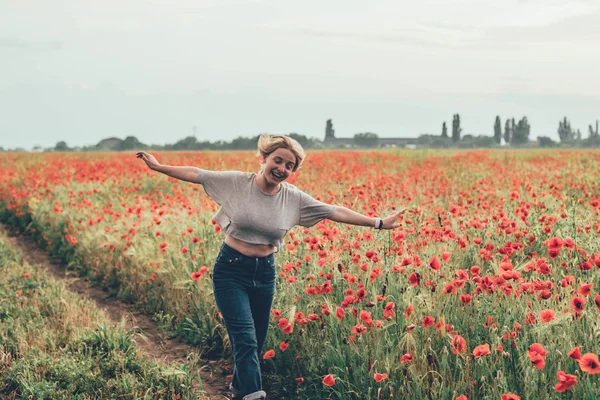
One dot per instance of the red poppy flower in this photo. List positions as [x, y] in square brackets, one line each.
[578, 304]
[428, 321]
[537, 348]
[365, 316]
[553, 253]
[465, 299]
[406, 261]
[530, 319]
[406, 358]
[537, 360]
[565, 381]
[269, 354]
[340, 313]
[379, 377]
[283, 346]
[597, 301]
[414, 279]
[196, 275]
[585, 290]
[547, 315]
[481, 350]
[510, 396]
[359, 329]
[589, 363]
[388, 312]
[329, 380]
[459, 344]
[554, 243]
[289, 328]
[575, 353]
[434, 263]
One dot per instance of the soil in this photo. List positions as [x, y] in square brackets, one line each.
[148, 338]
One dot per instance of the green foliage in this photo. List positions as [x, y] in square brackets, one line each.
[520, 134]
[456, 129]
[323, 346]
[565, 133]
[366, 139]
[434, 141]
[55, 345]
[130, 143]
[498, 130]
[507, 132]
[306, 142]
[62, 146]
[545, 141]
[594, 133]
[473, 142]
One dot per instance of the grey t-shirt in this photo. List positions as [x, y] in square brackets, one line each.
[252, 216]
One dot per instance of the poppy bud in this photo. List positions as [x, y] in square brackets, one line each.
[430, 359]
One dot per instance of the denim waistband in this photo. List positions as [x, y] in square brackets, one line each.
[238, 254]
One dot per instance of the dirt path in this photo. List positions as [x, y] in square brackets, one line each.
[150, 341]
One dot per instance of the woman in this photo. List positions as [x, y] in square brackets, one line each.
[257, 210]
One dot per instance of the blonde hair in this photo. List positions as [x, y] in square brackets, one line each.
[268, 144]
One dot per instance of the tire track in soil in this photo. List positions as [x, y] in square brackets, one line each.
[150, 342]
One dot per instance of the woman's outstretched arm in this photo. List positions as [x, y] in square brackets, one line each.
[184, 173]
[347, 216]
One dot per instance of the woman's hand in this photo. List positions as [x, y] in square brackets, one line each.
[390, 222]
[148, 159]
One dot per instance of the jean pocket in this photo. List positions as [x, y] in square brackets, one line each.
[222, 259]
[271, 262]
[228, 257]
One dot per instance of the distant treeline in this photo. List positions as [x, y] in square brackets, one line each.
[514, 134]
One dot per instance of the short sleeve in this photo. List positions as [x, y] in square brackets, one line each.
[219, 185]
[312, 210]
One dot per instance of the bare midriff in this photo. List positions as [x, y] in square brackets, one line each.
[249, 249]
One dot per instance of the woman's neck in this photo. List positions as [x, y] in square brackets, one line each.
[265, 186]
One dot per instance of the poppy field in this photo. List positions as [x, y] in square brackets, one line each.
[489, 289]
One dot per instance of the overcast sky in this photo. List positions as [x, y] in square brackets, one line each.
[81, 71]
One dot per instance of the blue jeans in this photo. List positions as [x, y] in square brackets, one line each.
[244, 288]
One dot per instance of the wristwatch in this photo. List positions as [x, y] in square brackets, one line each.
[378, 223]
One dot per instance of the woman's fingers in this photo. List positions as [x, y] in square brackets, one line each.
[399, 212]
[142, 154]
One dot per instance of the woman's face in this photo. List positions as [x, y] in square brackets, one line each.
[278, 165]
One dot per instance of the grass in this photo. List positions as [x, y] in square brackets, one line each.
[56, 345]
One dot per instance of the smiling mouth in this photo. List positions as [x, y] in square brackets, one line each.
[277, 176]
